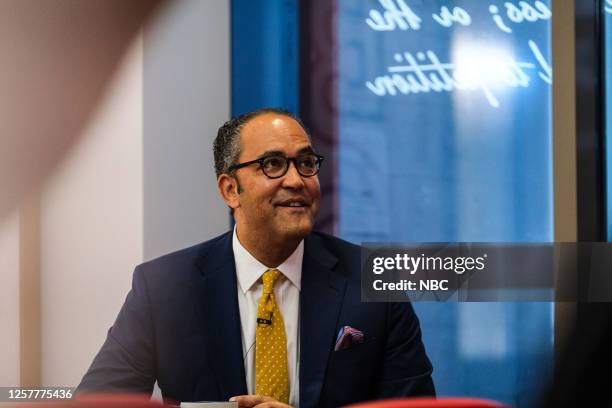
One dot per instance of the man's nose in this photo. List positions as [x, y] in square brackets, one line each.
[293, 179]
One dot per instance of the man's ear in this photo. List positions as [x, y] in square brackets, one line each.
[228, 188]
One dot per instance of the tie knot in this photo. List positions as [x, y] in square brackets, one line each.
[269, 277]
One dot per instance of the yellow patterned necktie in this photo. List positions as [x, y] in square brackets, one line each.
[271, 368]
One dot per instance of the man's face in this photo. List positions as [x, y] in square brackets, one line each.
[284, 207]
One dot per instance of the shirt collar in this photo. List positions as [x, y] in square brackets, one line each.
[249, 269]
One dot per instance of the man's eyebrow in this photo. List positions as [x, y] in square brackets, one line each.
[307, 149]
[271, 153]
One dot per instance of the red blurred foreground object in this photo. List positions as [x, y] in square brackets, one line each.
[429, 403]
[101, 401]
[114, 401]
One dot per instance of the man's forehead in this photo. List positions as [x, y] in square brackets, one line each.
[273, 132]
[268, 122]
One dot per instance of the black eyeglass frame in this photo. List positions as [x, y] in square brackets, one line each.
[260, 161]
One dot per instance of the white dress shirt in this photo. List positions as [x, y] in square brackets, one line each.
[287, 294]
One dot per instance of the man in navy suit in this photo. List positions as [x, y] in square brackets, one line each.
[193, 319]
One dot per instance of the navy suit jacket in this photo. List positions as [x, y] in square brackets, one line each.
[180, 325]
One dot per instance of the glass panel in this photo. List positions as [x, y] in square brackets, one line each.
[445, 135]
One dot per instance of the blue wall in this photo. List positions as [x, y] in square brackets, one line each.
[264, 55]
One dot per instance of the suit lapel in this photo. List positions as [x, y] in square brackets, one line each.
[322, 292]
[217, 301]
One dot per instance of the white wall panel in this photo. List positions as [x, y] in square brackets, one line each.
[91, 229]
[186, 99]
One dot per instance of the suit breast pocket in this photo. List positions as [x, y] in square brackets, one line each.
[354, 367]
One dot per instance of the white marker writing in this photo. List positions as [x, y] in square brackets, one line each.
[498, 19]
[447, 18]
[546, 75]
[424, 73]
[397, 14]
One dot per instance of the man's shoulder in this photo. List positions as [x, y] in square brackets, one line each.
[186, 258]
[341, 255]
[332, 243]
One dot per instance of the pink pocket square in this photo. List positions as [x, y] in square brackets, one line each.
[348, 337]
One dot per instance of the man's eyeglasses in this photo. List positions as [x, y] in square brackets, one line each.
[307, 165]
